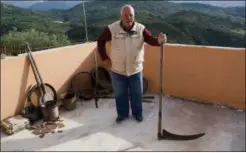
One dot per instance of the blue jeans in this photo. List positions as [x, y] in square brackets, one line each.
[125, 89]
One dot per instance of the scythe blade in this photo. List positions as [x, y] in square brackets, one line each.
[162, 133]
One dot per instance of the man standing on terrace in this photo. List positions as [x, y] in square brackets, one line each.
[126, 60]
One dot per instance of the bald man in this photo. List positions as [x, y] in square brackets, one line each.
[126, 61]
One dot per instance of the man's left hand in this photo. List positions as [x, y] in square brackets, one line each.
[162, 38]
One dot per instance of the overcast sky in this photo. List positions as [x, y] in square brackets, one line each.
[215, 3]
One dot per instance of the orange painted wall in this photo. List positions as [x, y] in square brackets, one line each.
[56, 67]
[208, 74]
[215, 75]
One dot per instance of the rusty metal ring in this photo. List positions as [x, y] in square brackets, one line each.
[71, 87]
[35, 87]
[101, 85]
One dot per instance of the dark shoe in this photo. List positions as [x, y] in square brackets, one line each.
[120, 119]
[139, 118]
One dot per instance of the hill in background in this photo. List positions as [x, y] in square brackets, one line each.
[184, 23]
[69, 4]
[54, 5]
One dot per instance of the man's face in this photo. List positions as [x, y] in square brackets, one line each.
[127, 17]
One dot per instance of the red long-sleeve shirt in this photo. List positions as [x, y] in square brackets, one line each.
[106, 36]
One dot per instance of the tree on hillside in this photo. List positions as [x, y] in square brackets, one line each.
[14, 42]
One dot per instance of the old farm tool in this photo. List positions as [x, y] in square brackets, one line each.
[47, 101]
[162, 133]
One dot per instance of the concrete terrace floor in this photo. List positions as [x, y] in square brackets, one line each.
[94, 129]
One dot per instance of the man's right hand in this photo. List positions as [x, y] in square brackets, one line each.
[107, 63]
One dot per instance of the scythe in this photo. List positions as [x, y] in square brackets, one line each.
[162, 133]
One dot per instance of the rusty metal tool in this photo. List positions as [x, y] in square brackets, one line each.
[45, 96]
[162, 133]
[47, 101]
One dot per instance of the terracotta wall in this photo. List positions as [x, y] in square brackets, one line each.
[215, 75]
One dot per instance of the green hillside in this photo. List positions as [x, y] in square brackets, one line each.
[98, 10]
[19, 25]
[24, 19]
[184, 23]
[207, 30]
